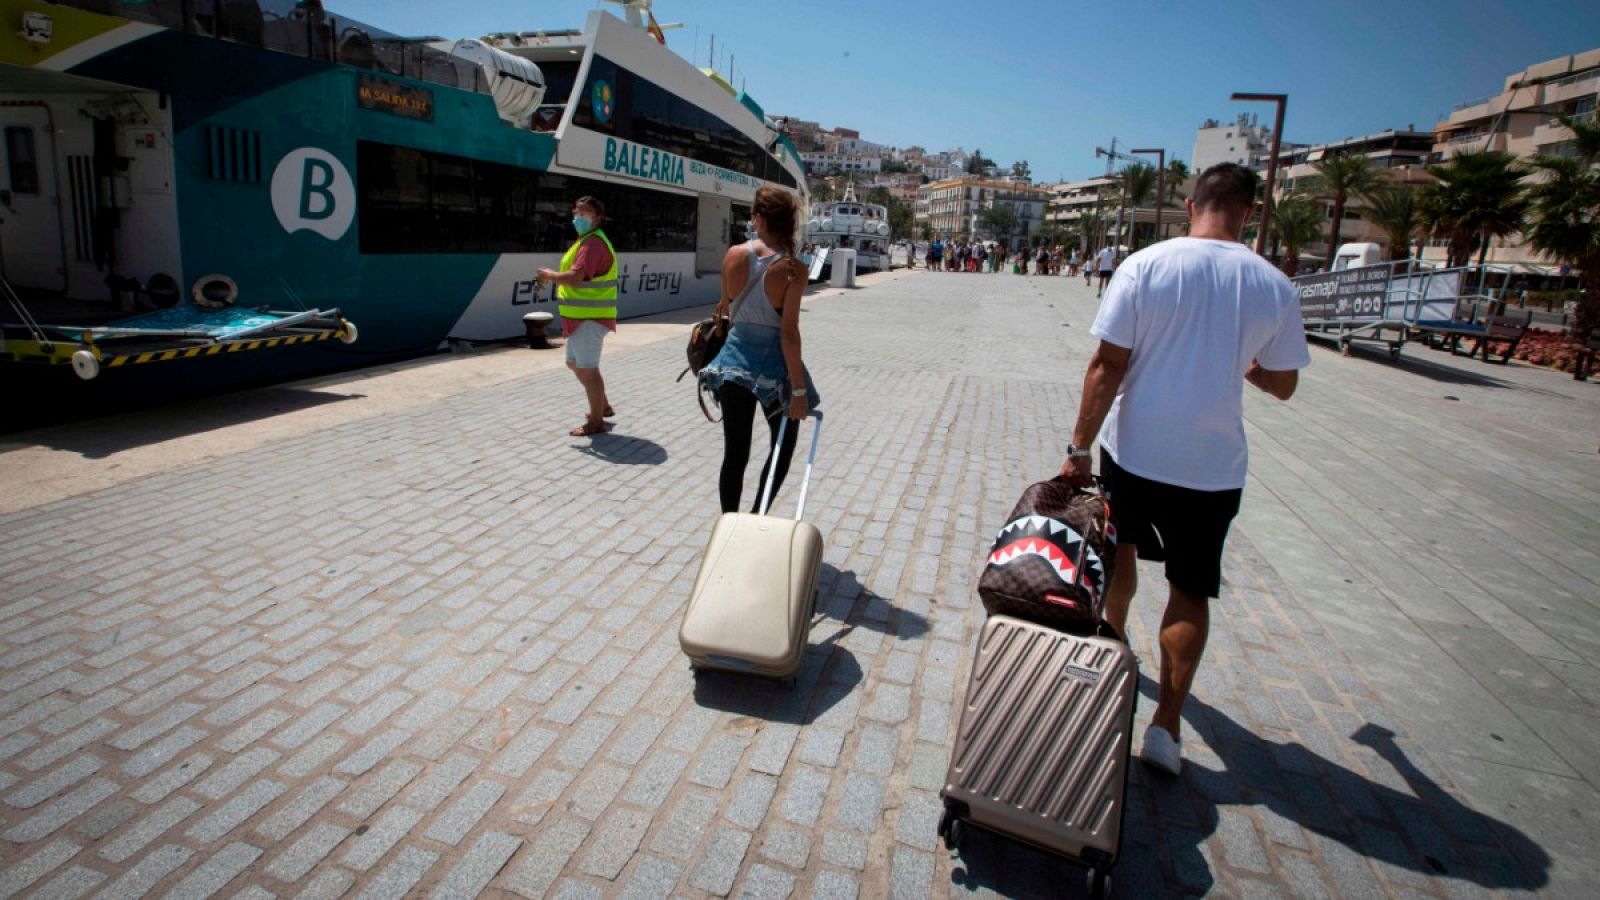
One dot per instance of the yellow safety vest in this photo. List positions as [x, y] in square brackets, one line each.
[588, 299]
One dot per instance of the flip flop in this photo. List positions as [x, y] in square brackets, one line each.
[587, 429]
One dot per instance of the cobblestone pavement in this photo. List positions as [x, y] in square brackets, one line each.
[435, 652]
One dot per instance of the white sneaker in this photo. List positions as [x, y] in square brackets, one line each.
[1161, 750]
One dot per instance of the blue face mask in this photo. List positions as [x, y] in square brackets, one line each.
[581, 223]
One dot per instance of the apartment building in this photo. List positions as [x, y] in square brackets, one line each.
[1402, 155]
[1071, 201]
[1244, 141]
[955, 207]
[1521, 119]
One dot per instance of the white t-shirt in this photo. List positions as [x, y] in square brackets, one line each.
[1106, 260]
[1195, 312]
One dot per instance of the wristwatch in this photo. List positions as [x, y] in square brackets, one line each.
[798, 392]
[1076, 452]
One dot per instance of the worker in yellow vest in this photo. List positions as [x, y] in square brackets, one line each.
[586, 297]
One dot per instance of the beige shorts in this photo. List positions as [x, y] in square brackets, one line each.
[584, 345]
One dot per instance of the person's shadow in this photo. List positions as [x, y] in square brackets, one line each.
[1428, 831]
[624, 450]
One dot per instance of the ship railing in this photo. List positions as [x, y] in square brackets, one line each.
[304, 30]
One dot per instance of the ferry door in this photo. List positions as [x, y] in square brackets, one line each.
[711, 240]
[31, 253]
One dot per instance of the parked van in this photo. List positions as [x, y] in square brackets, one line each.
[1354, 256]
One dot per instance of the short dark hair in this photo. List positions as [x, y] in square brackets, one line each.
[593, 203]
[1228, 187]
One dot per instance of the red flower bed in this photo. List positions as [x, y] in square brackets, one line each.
[1555, 349]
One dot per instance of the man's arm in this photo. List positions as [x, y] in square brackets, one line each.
[1280, 384]
[1107, 368]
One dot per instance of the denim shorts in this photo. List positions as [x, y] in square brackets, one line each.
[583, 345]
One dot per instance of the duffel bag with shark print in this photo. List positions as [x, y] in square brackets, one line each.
[1051, 563]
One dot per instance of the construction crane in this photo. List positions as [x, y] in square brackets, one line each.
[1112, 156]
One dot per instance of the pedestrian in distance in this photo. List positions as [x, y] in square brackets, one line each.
[1105, 263]
[1185, 324]
[760, 365]
[586, 298]
[1088, 269]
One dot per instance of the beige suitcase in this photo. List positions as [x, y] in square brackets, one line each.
[1042, 751]
[752, 602]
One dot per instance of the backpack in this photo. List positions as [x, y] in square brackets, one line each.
[705, 342]
[1051, 563]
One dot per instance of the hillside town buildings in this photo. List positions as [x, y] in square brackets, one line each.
[1522, 120]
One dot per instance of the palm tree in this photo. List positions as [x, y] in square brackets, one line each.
[1138, 186]
[1177, 174]
[1395, 208]
[1478, 197]
[1296, 221]
[1338, 179]
[1564, 216]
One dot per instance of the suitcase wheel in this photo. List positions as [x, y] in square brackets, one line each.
[952, 829]
[1098, 881]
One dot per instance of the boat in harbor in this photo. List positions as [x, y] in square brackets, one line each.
[850, 223]
[182, 180]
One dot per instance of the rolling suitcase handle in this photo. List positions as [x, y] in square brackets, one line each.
[772, 470]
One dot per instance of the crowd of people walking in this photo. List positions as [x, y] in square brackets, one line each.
[961, 255]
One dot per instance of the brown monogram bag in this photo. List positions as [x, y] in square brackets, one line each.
[1051, 563]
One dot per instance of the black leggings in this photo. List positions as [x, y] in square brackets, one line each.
[738, 420]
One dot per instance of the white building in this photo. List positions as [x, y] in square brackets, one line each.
[824, 162]
[1243, 141]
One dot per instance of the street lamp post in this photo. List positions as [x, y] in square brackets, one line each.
[1161, 185]
[1281, 100]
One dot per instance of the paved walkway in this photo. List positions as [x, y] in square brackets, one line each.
[435, 652]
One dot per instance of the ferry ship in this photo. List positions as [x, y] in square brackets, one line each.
[848, 222]
[183, 179]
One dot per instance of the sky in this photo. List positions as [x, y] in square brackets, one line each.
[1049, 80]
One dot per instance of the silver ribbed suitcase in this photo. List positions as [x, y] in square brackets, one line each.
[1042, 752]
[751, 607]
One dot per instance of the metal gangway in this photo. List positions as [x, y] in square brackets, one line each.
[1395, 302]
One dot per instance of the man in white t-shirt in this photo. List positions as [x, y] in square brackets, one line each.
[1184, 324]
[1105, 262]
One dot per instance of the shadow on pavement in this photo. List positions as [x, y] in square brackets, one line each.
[1438, 836]
[1324, 797]
[841, 593]
[101, 438]
[1412, 362]
[624, 450]
[829, 675]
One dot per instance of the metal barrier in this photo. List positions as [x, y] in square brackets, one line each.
[1392, 303]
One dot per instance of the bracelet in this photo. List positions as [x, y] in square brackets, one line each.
[798, 392]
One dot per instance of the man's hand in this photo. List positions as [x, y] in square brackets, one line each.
[1078, 471]
[547, 275]
[1278, 384]
[799, 407]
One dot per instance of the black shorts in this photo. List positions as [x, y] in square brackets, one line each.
[1181, 526]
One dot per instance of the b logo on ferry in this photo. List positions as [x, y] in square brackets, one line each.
[312, 190]
[602, 100]
[642, 162]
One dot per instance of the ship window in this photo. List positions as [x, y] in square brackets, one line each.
[416, 201]
[21, 163]
[647, 114]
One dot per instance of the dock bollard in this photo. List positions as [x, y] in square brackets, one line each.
[537, 323]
